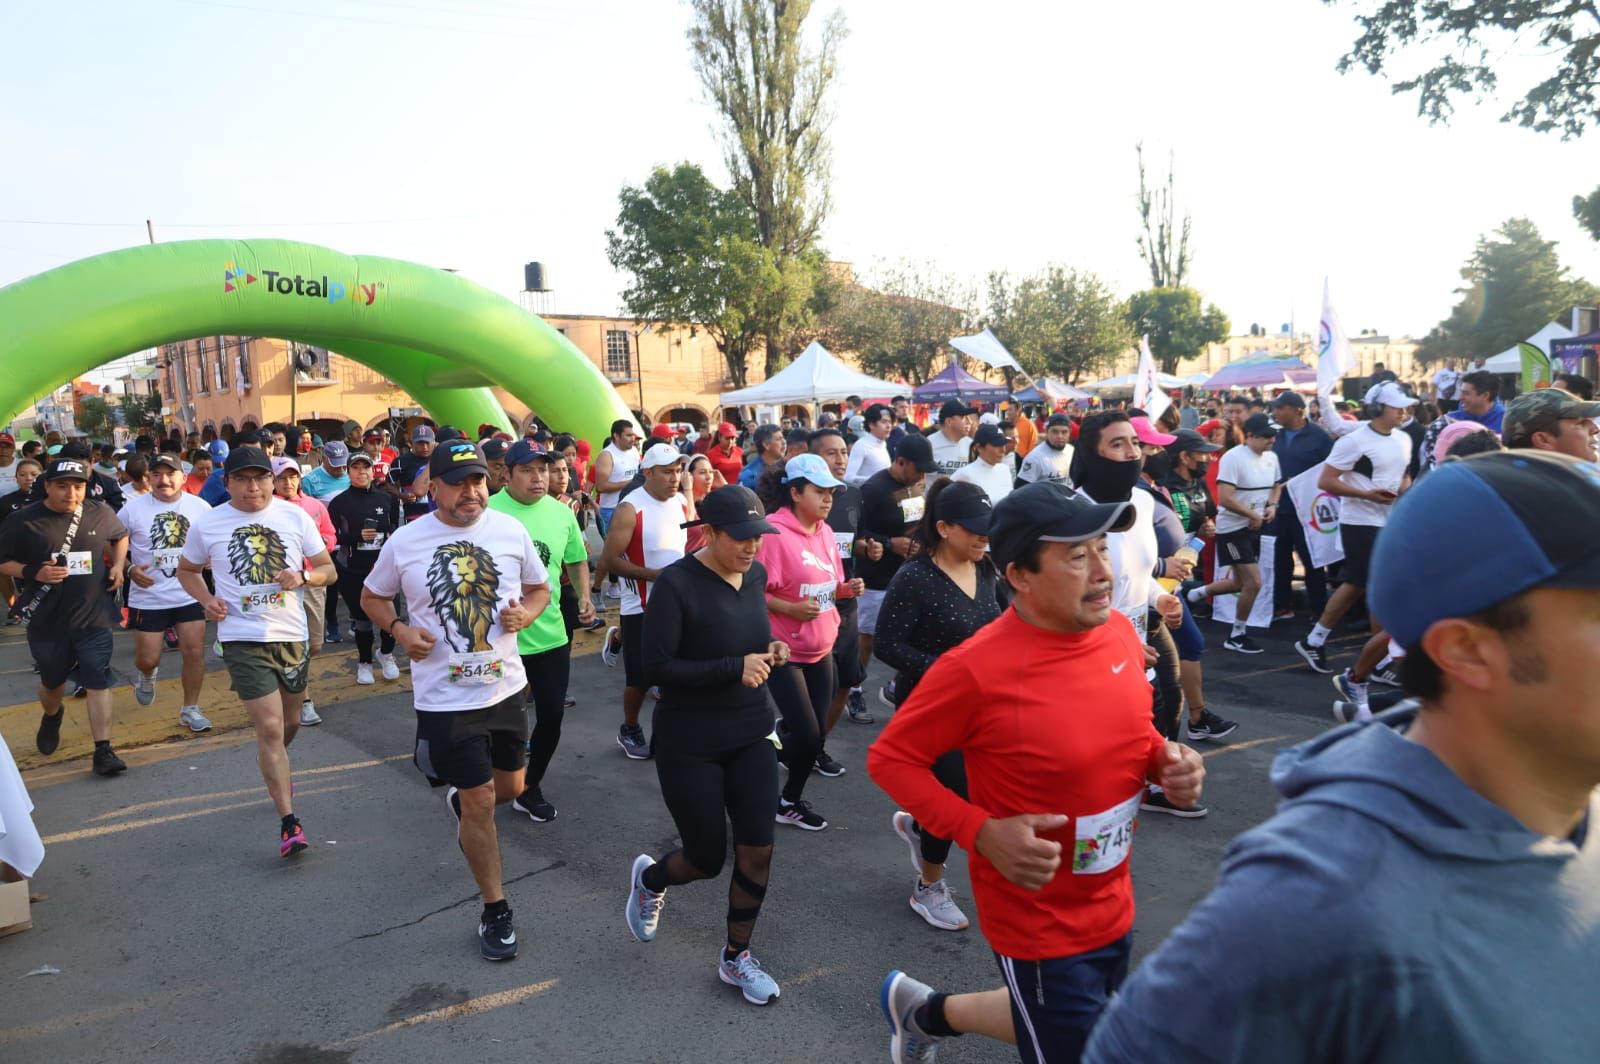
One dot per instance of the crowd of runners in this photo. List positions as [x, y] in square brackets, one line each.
[1033, 587]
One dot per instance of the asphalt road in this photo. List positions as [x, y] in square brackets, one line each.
[181, 936]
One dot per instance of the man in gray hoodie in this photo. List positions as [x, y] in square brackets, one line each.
[1430, 889]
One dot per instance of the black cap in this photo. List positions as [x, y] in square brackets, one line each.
[249, 457]
[456, 460]
[1259, 425]
[446, 433]
[955, 408]
[735, 510]
[1289, 399]
[1191, 441]
[362, 456]
[495, 449]
[989, 435]
[524, 451]
[1050, 511]
[964, 504]
[168, 459]
[1058, 420]
[74, 450]
[67, 469]
[916, 449]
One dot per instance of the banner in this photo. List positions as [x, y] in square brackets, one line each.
[1334, 358]
[1225, 607]
[1319, 516]
[1147, 393]
[1535, 367]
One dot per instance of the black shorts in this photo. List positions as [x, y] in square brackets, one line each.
[464, 748]
[847, 647]
[633, 650]
[1239, 548]
[1358, 542]
[140, 620]
[57, 654]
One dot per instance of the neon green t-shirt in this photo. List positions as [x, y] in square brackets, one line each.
[554, 531]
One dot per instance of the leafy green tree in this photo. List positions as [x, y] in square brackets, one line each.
[1463, 43]
[900, 324]
[1587, 210]
[95, 418]
[1178, 325]
[140, 411]
[771, 92]
[1513, 285]
[1062, 323]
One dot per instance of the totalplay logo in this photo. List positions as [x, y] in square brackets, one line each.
[282, 284]
[233, 277]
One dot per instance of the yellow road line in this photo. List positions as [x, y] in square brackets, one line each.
[470, 1007]
[155, 821]
[145, 807]
[1230, 748]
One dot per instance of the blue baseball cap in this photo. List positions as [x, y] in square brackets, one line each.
[1533, 512]
[336, 453]
[218, 450]
[810, 467]
[525, 451]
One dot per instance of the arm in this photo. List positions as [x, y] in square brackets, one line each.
[615, 556]
[896, 621]
[321, 572]
[602, 475]
[119, 560]
[1228, 500]
[852, 471]
[192, 579]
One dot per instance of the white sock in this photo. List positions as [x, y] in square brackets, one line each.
[1319, 635]
[151, 675]
[1196, 594]
[1363, 711]
[855, 690]
[1238, 630]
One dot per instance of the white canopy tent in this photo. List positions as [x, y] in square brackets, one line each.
[1510, 360]
[815, 377]
[1126, 382]
[986, 348]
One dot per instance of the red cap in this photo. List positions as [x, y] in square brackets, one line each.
[662, 431]
[6, 437]
[1206, 428]
[726, 430]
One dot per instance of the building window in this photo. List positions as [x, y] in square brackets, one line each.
[222, 364]
[244, 363]
[618, 360]
[201, 376]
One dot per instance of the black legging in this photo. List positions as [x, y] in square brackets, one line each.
[1168, 704]
[569, 609]
[330, 608]
[704, 792]
[951, 770]
[349, 585]
[803, 694]
[548, 673]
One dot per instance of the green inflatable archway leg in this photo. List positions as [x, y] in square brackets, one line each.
[410, 322]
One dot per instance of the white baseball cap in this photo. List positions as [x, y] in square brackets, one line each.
[1390, 394]
[660, 454]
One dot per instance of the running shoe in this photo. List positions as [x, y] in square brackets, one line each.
[933, 902]
[611, 650]
[1210, 728]
[800, 814]
[744, 972]
[191, 718]
[308, 714]
[531, 801]
[855, 704]
[1316, 657]
[568, 702]
[1344, 712]
[1349, 689]
[391, 669]
[1158, 802]
[613, 589]
[364, 675]
[49, 735]
[633, 742]
[643, 911]
[292, 840]
[886, 695]
[1387, 677]
[1242, 644]
[594, 625]
[106, 761]
[1283, 615]
[497, 939]
[827, 766]
[900, 997]
[905, 825]
[333, 635]
[72, 689]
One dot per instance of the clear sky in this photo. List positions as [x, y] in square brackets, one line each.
[480, 134]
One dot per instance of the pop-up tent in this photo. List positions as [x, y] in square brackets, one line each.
[815, 377]
[956, 383]
[1050, 390]
[1510, 360]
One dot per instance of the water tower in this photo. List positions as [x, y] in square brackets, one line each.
[535, 289]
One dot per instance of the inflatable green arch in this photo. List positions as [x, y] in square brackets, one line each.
[440, 337]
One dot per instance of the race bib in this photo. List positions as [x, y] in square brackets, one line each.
[166, 559]
[260, 598]
[845, 541]
[477, 669]
[911, 509]
[376, 544]
[1103, 840]
[823, 593]
[80, 563]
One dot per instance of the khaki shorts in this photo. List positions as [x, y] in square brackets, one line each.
[259, 669]
[316, 605]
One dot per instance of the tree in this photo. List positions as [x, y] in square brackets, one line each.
[1514, 285]
[139, 411]
[1163, 246]
[771, 92]
[1464, 42]
[901, 323]
[1062, 323]
[1176, 323]
[1587, 210]
[95, 418]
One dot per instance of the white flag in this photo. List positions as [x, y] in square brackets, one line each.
[1334, 358]
[1147, 393]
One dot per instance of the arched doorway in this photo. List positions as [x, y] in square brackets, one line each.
[687, 414]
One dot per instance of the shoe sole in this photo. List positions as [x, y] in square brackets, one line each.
[865, 718]
[1243, 650]
[519, 807]
[723, 975]
[780, 818]
[1211, 737]
[633, 878]
[1338, 711]
[835, 774]
[366, 681]
[110, 771]
[496, 958]
[1321, 670]
[196, 728]
[293, 849]
[913, 843]
[631, 755]
[923, 911]
[1182, 814]
[886, 700]
[310, 723]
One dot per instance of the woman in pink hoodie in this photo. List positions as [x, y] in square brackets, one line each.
[804, 579]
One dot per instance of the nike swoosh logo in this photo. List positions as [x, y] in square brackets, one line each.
[1115, 669]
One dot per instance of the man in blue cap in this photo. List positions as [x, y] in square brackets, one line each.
[214, 491]
[1427, 892]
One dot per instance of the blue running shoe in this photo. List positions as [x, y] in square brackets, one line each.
[644, 905]
[900, 996]
[744, 972]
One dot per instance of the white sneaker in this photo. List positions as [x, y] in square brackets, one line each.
[934, 904]
[308, 714]
[391, 671]
[144, 687]
[193, 719]
[364, 674]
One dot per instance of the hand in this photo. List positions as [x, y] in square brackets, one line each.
[756, 670]
[141, 576]
[1181, 776]
[1271, 512]
[901, 545]
[856, 586]
[804, 610]
[416, 642]
[514, 616]
[778, 653]
[113, 578]
[368, 535]
[1171, 610]
[585, 610]
[871, 549]
[290, 579]
[1178, 568]
[216, 610]
[1017, 852]
[51, 574]
[1381, 496]
[1208, 529]
[1255, 522]
[1150, 656]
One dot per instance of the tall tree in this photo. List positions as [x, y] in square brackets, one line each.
[1514, 285]
[772, 94]
[899, 323]
[1587, 210]
[1062, 323]
[1463, 42]
[1178, 325]
[1164, 245]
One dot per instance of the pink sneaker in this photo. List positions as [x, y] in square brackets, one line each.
[293, 841]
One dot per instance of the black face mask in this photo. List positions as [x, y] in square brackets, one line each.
[1158, 466]
[1106, 480]
[1200, 470]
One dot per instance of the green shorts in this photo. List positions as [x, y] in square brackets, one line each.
[259, 669]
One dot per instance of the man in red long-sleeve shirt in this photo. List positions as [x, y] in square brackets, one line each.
[1058, 750]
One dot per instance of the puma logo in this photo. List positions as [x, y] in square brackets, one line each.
[1115, 669]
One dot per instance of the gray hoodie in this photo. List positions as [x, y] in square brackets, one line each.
[1387, 913]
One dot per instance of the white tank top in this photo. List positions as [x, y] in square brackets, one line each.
[659, 539]
[624, 464]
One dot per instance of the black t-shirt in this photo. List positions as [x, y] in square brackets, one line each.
[886, 505]
[843, 519]
[10, 504]
[34, 534]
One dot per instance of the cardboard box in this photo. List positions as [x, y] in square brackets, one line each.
[14, 914]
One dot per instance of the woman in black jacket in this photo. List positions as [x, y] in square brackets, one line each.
[363, 516]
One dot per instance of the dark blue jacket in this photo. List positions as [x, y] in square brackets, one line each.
[1307, 450]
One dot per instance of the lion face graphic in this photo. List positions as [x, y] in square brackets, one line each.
[169, 530]
[463, 587]
[256, 555]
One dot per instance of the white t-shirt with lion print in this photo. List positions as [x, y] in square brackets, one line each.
[456, 580]
[246, 552]
[157, 532]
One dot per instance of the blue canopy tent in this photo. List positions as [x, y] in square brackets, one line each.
[1050, 390]
[956, 383]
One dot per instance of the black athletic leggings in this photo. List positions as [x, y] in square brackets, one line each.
[950, 770]
[349, 585]
[1168, 705]
[548, 673]
[704, 792]
[803, 694]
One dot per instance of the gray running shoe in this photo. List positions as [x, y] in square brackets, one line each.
[934, 904]
[308, 714]
[905, 825]
[900, 996]
[744, 972]
[633, 742]
[191, 718]
[144, 687]
[644, 906]
[856, 705]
